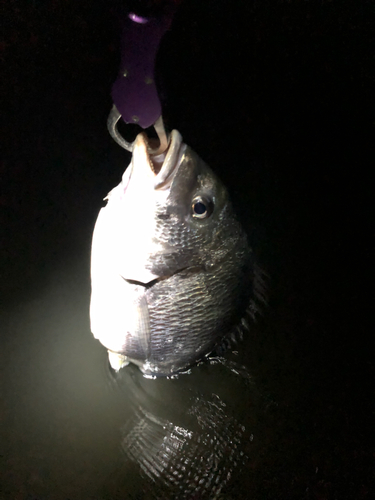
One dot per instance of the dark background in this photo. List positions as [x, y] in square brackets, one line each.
[278, 98]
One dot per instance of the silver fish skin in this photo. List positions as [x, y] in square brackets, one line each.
[171, 267]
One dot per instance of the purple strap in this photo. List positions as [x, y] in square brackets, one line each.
[134, 92]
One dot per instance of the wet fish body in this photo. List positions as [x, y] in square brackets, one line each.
[171, 267]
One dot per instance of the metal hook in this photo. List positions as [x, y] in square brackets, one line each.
[114, 117]
[163, 138]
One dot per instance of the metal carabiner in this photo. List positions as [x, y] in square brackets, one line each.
[114, 117]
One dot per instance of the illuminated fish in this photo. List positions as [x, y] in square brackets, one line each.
[172, 272]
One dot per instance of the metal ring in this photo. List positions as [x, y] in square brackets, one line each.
[113, 118]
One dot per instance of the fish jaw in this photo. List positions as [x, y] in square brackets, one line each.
[124, 242]
[128, 224]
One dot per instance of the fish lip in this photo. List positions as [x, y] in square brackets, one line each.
[164, 165]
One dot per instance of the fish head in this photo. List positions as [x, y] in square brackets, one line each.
[171, 213]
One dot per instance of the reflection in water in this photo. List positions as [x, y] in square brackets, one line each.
[187, 435]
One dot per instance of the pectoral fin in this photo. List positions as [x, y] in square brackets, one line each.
[117, 361]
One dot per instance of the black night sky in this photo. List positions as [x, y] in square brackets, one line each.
[278, 97]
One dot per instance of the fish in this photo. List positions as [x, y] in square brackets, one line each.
[172, 271]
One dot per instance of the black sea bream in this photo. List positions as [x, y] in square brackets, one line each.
[171, 268]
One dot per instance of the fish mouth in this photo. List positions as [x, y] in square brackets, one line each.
[164, 165]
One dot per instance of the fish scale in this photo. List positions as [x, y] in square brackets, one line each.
[187, 462]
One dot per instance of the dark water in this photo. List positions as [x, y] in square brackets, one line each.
[294, 141]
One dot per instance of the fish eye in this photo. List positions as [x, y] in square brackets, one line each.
[202, 207]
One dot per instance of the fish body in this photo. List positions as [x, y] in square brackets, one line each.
[171, 267]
